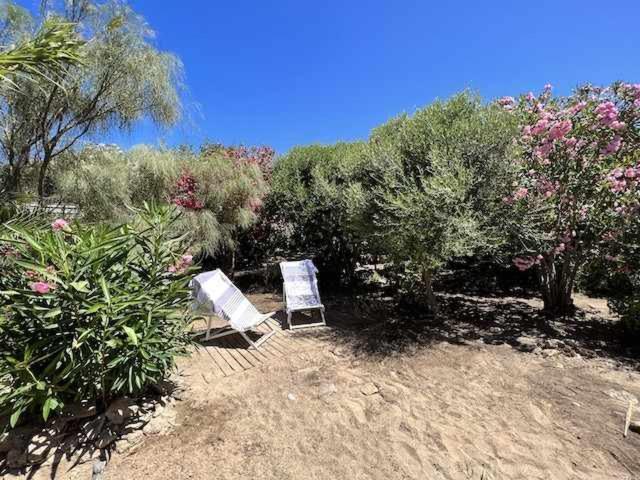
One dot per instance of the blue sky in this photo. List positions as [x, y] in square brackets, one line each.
[295, 72]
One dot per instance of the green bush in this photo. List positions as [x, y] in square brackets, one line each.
[430, 187]
[306, 210]
[90, 312]
[104, 181]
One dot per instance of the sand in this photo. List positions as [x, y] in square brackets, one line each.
[442, 409]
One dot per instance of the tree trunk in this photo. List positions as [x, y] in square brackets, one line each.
[430, 297]
[556, 282]
[42, 176]
[12, 183]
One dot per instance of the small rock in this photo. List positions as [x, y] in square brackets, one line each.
[119, 411]
[527, 344]
[98, 469]
[327, 389]
[634, 426]
[130, 442]
[291, 397]
[369, 389]
[550, 352]
[134, 426]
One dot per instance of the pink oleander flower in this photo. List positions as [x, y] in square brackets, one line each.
[59, 225]
[530, 97]
[560, 129]
[617, 125]
[40, 288]
[578, 107]
[540, 126]
[521, 193]
[187, 260]
[630, 172]
[560, 248]
[543, 150]
[607, 113]
[526, 130]
[613, 146]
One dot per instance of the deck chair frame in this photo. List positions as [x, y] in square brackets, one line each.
[228, 330]
[291, 310]
[229, 306]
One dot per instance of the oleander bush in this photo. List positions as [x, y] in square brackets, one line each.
[90, 312]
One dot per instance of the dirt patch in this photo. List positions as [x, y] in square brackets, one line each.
[464, 404]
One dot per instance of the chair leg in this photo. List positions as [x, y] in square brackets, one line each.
[206, 337]
[289, 320]
[324, 321]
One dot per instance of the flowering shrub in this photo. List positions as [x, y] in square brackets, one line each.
[88, 313]
[577, 181]
[185, 194]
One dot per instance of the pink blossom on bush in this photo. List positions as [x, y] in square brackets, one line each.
[560, 129]
[524, 263]
[520, 193]
[613, 146]
[59, 225]
[40, 288]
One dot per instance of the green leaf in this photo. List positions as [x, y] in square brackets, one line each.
[105, 290]
[49, 404]
[81, 286]
[15, 416]
[131, 333]
[53, 313]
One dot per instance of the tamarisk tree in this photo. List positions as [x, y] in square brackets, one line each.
[122, 79]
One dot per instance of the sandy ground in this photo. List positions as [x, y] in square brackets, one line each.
[457, 405]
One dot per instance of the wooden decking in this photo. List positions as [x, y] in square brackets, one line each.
[229, 355]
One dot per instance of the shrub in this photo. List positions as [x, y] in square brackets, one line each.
[427, 192]
[306, 210]
[104, 181]
[577, 182]
[90, 312]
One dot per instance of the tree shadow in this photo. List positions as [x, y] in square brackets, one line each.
[381, 327]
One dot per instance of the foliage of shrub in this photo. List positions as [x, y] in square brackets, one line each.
[90, 312]
[577, 182]
[429, 191]
[306, 210]
[219, 194]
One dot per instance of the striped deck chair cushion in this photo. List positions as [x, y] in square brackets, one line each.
[214, 291]
[300, 284]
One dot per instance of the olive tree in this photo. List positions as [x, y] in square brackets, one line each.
[428, 190]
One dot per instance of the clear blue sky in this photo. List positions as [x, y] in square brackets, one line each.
[294, 72]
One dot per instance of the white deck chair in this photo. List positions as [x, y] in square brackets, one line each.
[215, 294]
[300, 290]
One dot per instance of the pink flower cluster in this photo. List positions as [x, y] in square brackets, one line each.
[622, 180]
[613, 146]
[59, 225]
[41, 288]
[607, 114]
[560, 129]
[185, 193]
[181, 265]
[39, 284]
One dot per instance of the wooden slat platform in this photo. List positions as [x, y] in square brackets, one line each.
[230, 355]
